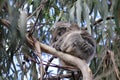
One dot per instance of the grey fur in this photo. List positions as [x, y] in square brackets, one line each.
[74, 41]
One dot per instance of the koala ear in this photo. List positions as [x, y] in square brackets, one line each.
[74, 26]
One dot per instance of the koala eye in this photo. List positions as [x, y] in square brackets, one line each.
[59, 33]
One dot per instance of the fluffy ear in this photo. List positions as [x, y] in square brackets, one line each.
[58, 30]
[74, 26]
[57, 33]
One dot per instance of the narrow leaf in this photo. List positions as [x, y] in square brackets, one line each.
[72, 12]
[22, 23]
[78, 11]
[86, 16]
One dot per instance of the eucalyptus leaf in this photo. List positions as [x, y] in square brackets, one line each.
[95, 12]
[104, 10]
[86, 16]
[72, 14]
[90, 5]
[29, 2]
[78, 11]
[34, 71]
[22, 23]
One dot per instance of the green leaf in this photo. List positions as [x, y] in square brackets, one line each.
[86, 16]
[29, 2]
[72, 12]
[78, 11]
[22, 24]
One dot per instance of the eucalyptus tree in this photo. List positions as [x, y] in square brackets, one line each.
[19, 19]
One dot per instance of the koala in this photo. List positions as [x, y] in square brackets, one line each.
[74, 41]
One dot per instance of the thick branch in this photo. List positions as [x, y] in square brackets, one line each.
[82, 65]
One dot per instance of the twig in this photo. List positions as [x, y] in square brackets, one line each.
[104, 74]
[50, 60]
[99, 66]
[54, 65]
[68, 75]
[100, 20]
[5, 22]
[38, 9]
[114, 65]
[38, 52]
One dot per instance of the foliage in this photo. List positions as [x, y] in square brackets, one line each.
[18, 60]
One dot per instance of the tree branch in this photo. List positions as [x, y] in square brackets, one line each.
[100, 20]
[5, 22]
[81, 64]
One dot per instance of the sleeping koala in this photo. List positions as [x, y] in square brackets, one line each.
[73, 40]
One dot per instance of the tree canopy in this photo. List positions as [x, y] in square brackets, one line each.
[25, 24]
